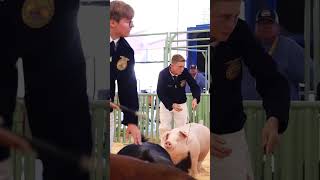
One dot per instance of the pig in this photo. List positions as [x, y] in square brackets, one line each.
[193, 138]
[129, 168]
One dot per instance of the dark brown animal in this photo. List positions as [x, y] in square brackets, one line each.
[129, 168]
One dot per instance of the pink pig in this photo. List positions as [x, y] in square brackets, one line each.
[193, 138]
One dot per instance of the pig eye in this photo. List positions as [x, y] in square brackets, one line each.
[167, 136]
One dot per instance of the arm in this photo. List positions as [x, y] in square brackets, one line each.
[195, 89]
[187, 88]
[296, 66]
[161, 92]
[296, 62]
[127, 91]
[271, 85]
[202, 82]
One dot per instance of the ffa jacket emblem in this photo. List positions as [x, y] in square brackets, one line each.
[182, 83]
[37, 13]
[122, 63]
[233, 69]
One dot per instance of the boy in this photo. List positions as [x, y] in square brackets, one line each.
[122, 67]
[233, 42]
[46, 37]
[171, 91]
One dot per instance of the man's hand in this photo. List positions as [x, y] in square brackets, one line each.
[270, 136]
[8, 139]
[134, 131]
[194, 103]
[217, 146]
[114, 106]
[176, 107]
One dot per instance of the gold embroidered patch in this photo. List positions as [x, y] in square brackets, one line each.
[37, 13]
[122, 63]
[182, 83]
[233, 69]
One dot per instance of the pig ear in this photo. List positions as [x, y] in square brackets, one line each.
[184, 134]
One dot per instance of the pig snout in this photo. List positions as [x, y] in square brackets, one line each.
[168, 145]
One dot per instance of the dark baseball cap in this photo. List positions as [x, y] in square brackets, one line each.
[193, 66]
[267, 15]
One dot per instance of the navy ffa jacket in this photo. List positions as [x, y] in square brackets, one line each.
[228, 115]
[171, 90]
[59, 39]
[55, 77]
[122, 71]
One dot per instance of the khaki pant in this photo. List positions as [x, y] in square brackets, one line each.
[237, 166]
[111, 129]
[166, 116]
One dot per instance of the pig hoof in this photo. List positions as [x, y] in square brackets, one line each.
[202, 170]
[194, 174]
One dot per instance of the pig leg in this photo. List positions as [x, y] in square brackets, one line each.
[194, 166]
[202, 156]
[200, 168]
[195, 152]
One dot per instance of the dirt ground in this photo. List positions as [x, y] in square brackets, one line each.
[202, 176]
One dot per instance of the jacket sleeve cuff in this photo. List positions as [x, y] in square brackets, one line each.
[282, 120]
[129, 119]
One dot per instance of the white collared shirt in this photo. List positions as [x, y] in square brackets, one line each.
[115, 44]
[114, 40]
[172, 74]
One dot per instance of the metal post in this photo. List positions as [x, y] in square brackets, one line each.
[307, 33]
[205, 54]
[316, 42]
[209, 67]
[166, 51]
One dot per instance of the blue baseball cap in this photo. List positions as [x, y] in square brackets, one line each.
[193, 66]
[267, 15]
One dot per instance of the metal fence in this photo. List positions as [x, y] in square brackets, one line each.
[149, 106]
[297, 158]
